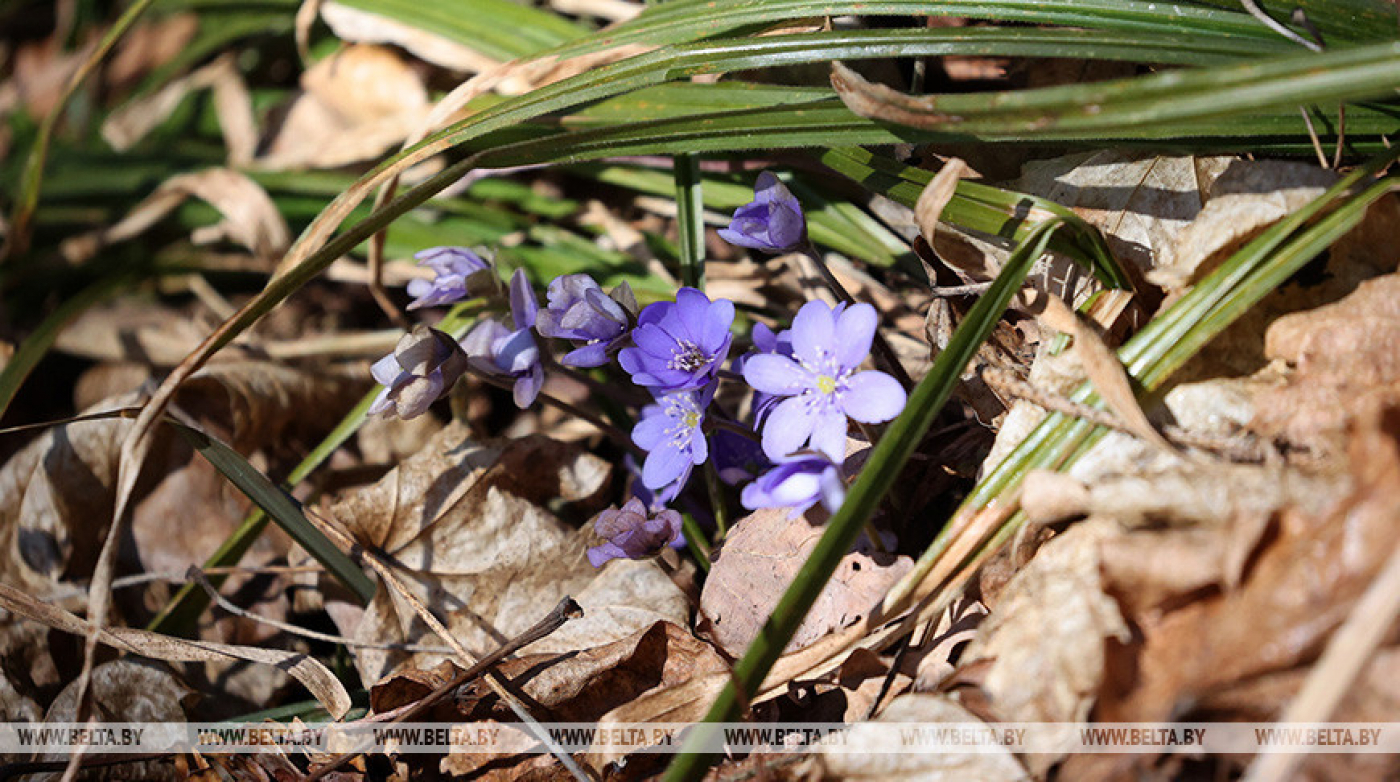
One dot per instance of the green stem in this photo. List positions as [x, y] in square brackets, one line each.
[690, 207]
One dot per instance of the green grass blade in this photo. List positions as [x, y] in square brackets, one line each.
[875, 480]
[684, 21]
[281, 508]
[499, 29]
[1151, 106]
[17, 236]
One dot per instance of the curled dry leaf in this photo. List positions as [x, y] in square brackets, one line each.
[466, 523]
[865, 752]
[355, 105]
[1347, 361]
[233, 107]
[761, 555]
[1245, 199]
[317, 679]
[250, 218]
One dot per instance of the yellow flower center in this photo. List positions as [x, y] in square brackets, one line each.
[826, 384]
[691, 419]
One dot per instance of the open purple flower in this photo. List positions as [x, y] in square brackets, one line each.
[670, 434]
[579, 311]
[821, 383]
[679, 344]
[499, 350]
[799, 482]
[634, 533]
[772, 222]
[452, 265]
[421, 369]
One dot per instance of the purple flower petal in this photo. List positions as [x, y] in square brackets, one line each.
[813, 332]
[829, 434]
[527, 387]
[523, 306]
[787, 428]
[651, 430]
[663, 465]
[873, 397]
[855, 330]
[774, 374]
[595, 355]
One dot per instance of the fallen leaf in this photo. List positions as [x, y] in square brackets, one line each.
[1346, 357]
[355, 105]
[149, 45]
[1245, 199]
[760, 556]
[233, 107]
[466, 525]
[317, 679]
[1299, 586]
[1043, 644]
[865, 753]
[250, 218]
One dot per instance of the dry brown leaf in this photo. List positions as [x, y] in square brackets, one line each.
[317, 679]
[1300, 585]
[149, 45]
[865, 755]
[598, 684]
[249, 216]
[232, 104]
[1347, 360]
[1245, 199]
[355, 105]
[465, 522]
[1043, 645]
[760, 556]
[55, 490]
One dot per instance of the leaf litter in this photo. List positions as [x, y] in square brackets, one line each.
[1139, 591]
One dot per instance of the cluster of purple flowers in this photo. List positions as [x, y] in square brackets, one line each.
[806, 381]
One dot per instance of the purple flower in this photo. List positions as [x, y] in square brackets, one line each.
[680, 344]
[422, 368]
[821, 383]
[772, 222]
[579, 311]
[453, 266]
[799, 482]
[670, 434]
[633, 533]
[499, 350]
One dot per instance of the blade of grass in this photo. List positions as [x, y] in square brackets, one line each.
[875, 480]
[280, 506]
[17, 237]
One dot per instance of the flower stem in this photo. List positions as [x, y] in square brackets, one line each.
[690, 220]
[884, 354]
[612, 432]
